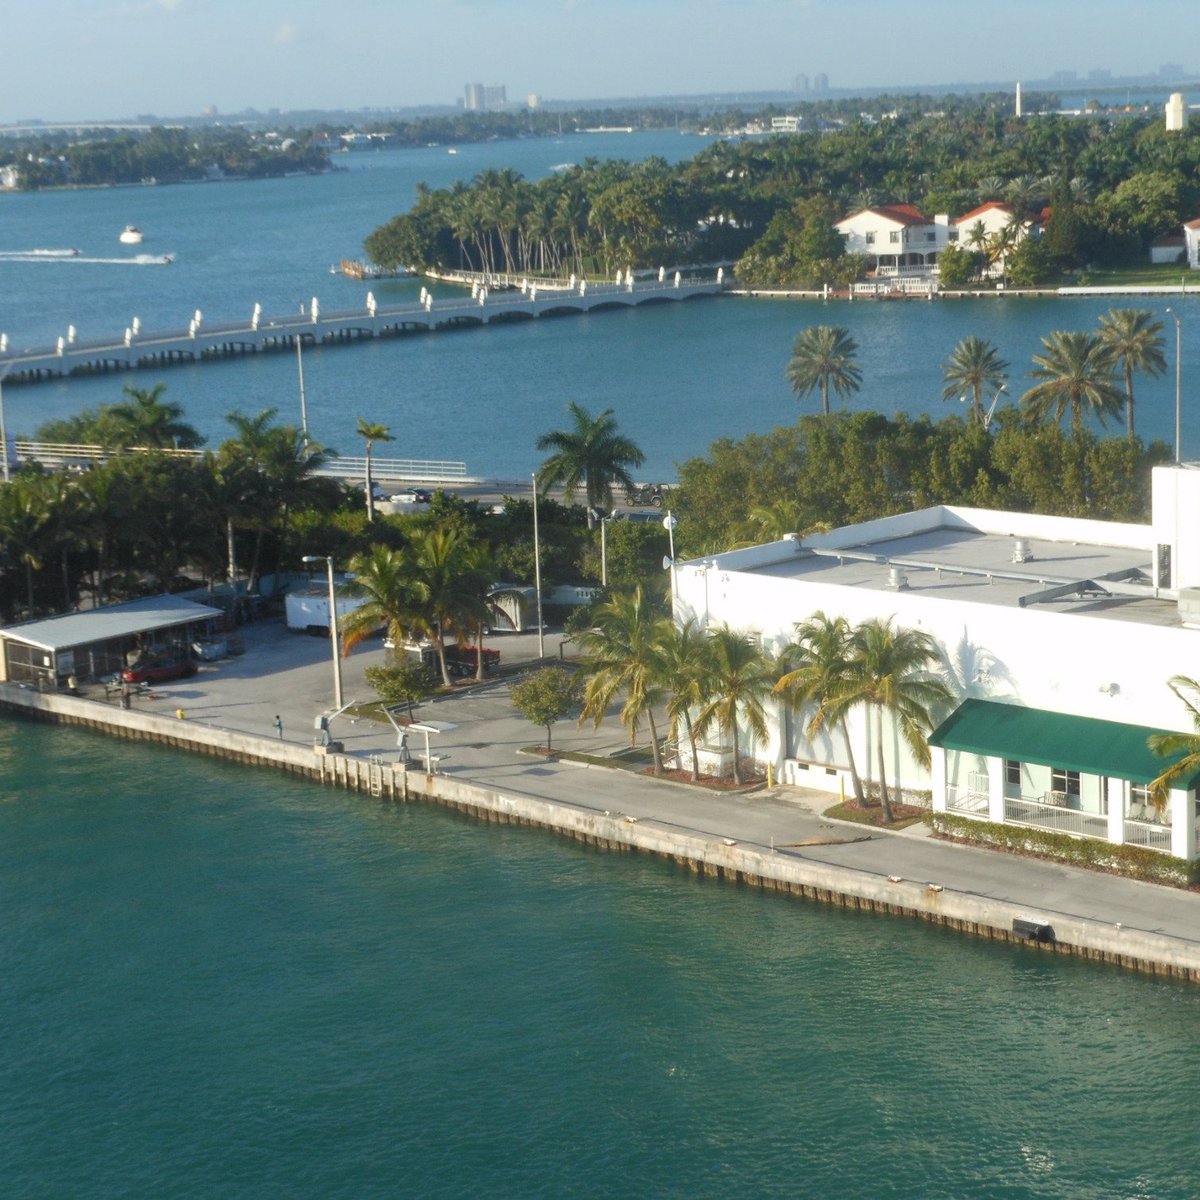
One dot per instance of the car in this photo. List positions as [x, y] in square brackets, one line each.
[411, 496]
[160, 670]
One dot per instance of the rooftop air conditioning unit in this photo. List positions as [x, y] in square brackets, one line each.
[897, 580]
[1022, 553]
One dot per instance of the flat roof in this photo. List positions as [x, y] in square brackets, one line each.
[113, 621]
[956, 563]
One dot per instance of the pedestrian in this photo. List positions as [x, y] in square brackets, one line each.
[279, 726]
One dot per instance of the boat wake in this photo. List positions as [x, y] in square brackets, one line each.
[73, 256]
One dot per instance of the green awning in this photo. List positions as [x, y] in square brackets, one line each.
[1052, 739]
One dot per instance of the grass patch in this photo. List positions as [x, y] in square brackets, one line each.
[1157, 274]
[905, 815]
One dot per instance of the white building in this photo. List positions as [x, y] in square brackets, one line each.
[897, 237]
[785, 124]
[1058, 637]
[1177, 113]
[1191, 241]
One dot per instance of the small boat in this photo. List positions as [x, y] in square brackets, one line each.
[452, 150]
[131, 235]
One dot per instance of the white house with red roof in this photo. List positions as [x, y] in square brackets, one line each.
[896, 237]
[991, 218]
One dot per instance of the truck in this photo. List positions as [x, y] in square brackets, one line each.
[308, 609]
[461, 658]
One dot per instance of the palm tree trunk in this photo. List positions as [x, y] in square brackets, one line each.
[691, 732]
[654, 747]
[370, 488]
[1129, 399]
[884, 796]
[737, 754]
[855, 780]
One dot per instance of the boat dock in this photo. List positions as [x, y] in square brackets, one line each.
[137, 348]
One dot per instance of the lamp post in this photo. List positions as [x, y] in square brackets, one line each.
[1178, 380]
[537, 571]
[3, 427]
[303, 402]
[669, 523]
[333, 626]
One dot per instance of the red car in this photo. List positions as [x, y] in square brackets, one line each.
[159, 670]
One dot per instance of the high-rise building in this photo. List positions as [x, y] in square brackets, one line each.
[495, 97]
[800, 84]
[1177, 114]
[473, 97]
[820, 82]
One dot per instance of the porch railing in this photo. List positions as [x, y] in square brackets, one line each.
[1023, 811]
[967, 799]
[1148, 834]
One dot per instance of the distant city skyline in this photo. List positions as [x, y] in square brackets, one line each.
[72, 60]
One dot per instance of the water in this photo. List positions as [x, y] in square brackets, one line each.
[678, 376]
[233, 983]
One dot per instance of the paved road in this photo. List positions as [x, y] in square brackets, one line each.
[291, 675]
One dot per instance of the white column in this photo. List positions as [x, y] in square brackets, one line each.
[1118, 795]
[937, 777]
[995, 772]
[1183, 825]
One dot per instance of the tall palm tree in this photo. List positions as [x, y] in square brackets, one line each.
[738, 679]
[445, 584]
[1132, 337]
[685, 660]
[1183, 747]
[621, 658]
[974, 366]
[372, 432]
[591, 453]
[889, 675]
[823, 357]
[146, 421]
[24, 519]
[820, 675]
[385, 579]
[1075, 370]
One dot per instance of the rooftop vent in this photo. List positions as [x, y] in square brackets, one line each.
[1022, 553]
[897, 580]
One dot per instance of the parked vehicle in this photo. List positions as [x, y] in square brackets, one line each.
[159, 670]
[461, 658]
[411, 496]
[642, 494]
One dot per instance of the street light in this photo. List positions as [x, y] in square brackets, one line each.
[537, 571]
[333, 626]
[303, 402]
[3, 429]
[1178, 377]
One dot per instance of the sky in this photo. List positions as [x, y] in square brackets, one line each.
[66, 60]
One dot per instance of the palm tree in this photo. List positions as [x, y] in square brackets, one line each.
[385, 578]
[888, 674]
[975, 366]
[622, 658]
[24, 518]
[738, 678]
[1075, 370]
[1132, 337]
[1183, 747]
[685, 660]
[591, 453]
[371, 433]
[146, 421]
[823, 356]
[820, 664]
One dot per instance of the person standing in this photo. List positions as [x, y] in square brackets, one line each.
[279, 727]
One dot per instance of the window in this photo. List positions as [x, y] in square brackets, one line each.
[952, 236]
[894, 236]
[931, 237]
[870, 239]
[1012, 772]
[1062, 780]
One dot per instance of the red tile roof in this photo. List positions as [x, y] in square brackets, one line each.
[990, 206]
[902, 214]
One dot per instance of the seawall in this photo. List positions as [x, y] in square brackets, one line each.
[780, 870]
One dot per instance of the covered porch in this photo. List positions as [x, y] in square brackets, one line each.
[1056, 771]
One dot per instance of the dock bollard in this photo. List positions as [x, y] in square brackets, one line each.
[180, 714]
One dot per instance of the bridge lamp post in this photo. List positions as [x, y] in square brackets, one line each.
[3, 427]
[333, 626]
[1178, 379]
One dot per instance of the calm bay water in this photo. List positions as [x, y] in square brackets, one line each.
[242, 985]
[678, 376]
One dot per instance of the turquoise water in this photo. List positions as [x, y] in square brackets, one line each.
[678, 376]
[221, 982]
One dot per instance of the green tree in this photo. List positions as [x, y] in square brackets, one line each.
[621, 659]
[144, 420]
[372, 432]
[392, 599]
[957, 266]
[1075, 370]
[544, 697]
[592, 453]
[739, 677]
[889, 674]
[685, 661]
[974, 367]
[1183, 748]
[819, 674]
[823, 357]
[400, 682]
[1133, 337]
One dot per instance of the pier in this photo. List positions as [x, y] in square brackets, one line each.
[136, 348]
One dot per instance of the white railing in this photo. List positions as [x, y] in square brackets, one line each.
[966, 800]
[1042, 815]
[1149, 834]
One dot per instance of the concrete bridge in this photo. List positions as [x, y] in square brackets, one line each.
[203, 342]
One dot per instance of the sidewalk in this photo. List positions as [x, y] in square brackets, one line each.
[291, 675]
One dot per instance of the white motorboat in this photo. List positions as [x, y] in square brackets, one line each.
[131, 235]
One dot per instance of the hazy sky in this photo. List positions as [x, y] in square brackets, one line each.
[69, 59]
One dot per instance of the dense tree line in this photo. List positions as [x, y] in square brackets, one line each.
[1113, 184]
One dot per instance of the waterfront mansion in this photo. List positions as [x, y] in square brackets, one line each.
[1057, 636]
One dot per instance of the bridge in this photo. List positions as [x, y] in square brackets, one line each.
[137, 348]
